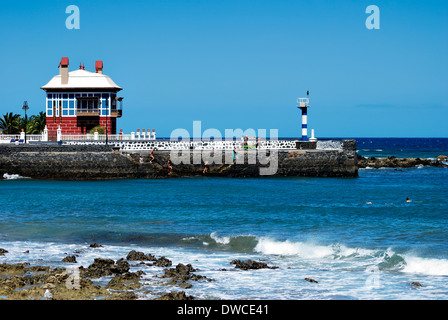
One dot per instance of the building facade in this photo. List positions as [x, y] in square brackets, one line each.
[80, 100]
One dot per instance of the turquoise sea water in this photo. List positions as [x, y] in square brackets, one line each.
[358, 237]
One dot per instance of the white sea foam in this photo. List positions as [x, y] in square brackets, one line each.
[218, 239]
[308, 250]
[7, 176]
[427, 266]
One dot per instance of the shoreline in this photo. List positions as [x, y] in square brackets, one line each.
[394, 162]
[106, 279]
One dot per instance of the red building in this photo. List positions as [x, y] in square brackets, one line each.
[77, 101]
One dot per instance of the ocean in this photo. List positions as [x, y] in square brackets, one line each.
[357, 237]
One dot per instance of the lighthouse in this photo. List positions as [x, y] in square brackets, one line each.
[303, 105]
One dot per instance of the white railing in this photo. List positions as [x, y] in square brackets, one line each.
[8, 138]
[167, 144]
[140, 141]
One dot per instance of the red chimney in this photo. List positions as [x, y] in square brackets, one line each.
[99, 66]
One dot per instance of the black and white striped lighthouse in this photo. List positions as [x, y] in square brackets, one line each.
[303, 105]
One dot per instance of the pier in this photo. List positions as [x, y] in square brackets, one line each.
[83, 161]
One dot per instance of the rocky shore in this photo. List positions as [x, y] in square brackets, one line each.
[394, 162]
[22, 281]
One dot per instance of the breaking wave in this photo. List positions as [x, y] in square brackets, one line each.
[384, 260]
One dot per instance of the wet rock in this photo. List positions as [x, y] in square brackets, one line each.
[182, 273]
[95, 245]
[416, 284]
[181, 295]
[105, 267]
[3, 251]
[250, 264]
[394, 162]
[126, 281]
[122, 266]
[311, 280]
[69, 259]
[163, 262]
[140, 256]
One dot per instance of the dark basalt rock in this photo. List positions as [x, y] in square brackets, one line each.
[181, 295]
[69, 259]
[139, 256]
[105, 267]
[250, 264]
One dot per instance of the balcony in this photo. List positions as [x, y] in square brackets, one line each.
[303, 102]
[87, 106]
[117, 108]
[87, 112]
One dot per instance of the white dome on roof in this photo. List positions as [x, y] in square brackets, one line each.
[82, 79]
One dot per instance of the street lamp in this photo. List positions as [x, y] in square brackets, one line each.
[25, 107]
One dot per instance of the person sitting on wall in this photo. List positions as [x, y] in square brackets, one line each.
[170, 168]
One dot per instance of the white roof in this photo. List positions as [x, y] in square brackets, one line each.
[82, 79]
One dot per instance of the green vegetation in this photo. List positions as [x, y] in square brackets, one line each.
[100, 129]
[14, 123]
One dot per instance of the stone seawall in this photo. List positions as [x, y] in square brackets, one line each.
[101, 162]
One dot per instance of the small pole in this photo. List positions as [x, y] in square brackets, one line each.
[25, 107]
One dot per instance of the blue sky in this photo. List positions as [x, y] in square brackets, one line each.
[242, 64]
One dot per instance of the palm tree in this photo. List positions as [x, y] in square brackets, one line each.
[36, 124]
[10, 124]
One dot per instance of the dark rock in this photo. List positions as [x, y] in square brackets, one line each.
[122, 266]
[183, 273]
[140, 256]
[69, 259]
[95, 245]
[181, 295]
[163, 262]
[250, 264]
[105, 267]
[311, 280]
[127, 280]
[416, 284]
[3, 251]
